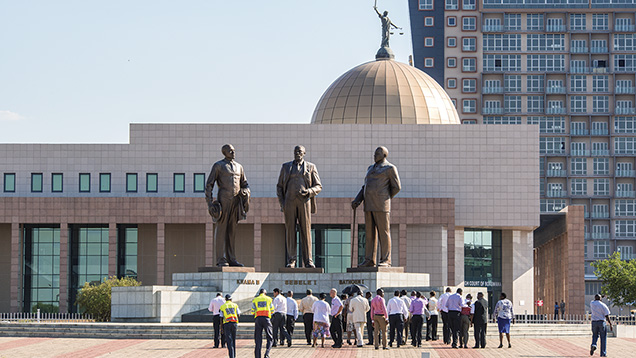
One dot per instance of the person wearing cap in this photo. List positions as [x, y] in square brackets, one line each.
[230, 313]
[215, 304]
[262, 308]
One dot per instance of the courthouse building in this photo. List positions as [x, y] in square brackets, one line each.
[75, 213]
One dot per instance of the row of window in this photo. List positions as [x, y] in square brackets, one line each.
[556, 145]
[539, 22]
[104, 185]
[448, 4]
[578, 166]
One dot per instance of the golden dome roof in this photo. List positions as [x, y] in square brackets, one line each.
[385, 92]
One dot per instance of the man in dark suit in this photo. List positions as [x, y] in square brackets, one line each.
[298, 185]
[233, 198]
[381, 184]
[479, 319]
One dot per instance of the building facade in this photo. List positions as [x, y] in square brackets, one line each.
[567, 66]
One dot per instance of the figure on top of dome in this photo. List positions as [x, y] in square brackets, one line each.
[386, 26]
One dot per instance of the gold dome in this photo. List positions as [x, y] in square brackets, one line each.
[385, 92]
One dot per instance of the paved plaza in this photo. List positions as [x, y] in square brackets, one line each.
[138, 348]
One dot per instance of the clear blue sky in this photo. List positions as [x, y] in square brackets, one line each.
[81, 71]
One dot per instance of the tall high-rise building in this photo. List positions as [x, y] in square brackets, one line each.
[567, 66]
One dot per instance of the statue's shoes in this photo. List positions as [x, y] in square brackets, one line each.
[236, 264]
[384, 264]
[291, 265]
[222, 263]
[367, 263]
[310, 265]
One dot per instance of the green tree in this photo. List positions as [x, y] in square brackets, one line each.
[95, 299]
[618, 279]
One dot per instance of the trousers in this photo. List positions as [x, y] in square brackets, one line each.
[226, 226]
[298, 210]
[465, 326]
[600, 329]
[308, 321]
[336, 330]
[431, 327]
[358, 327]
[379, 330]
[290, 324]
[455, 325]
[262, 324]
[369, 327]
[416, 329]
[397, 324]
[446, 328]
[278, 323]
[377, 228]
[480, 333]
[216, 321]
[229, 332]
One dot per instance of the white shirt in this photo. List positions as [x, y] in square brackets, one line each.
[280, 304]
[441, 304]
[432, 306]
[292, 307]
[397, 306]
[215, 304]
[472, 308]
[599, 310]
[321, 310]
[454, 302]
[503, 309]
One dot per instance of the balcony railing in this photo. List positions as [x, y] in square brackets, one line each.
[625, 110]
[556, 193]
[600, 132]
[600, 152]
[492, 28]
[624, 151]
[554, 89]
[579, 132]
[555, 28]
[625, 90]
[600, 215]
[625, 173]
[599, 50]
[580, 153]
[492, 110]
[600, 235]
[624, 194]
[469, 48]
[579, 50]
[556, 110]
[625, 28]
[492, 90]
[556, 173]
[579, 69]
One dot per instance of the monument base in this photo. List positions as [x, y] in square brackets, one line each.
[376, 269]
[226, 269]
[301, 270]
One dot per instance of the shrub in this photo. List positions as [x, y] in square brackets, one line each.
[95, 299]
[45, 308]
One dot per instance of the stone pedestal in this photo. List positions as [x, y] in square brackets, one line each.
[301, 270]
[226, 269]
[376, 269]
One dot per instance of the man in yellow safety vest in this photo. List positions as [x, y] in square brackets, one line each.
[230, 312]
[262, 308]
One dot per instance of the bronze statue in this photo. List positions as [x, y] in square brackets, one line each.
[232, 204]
[380, 185]
[386, 26]
[298, 185]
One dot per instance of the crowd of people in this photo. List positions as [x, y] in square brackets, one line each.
[349, 313]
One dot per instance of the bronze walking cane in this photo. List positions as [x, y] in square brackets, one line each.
[354, 241]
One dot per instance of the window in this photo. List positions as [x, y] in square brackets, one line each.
[84, 182]
[592, 288]
[9, 182]
[512, 104]
[577, 22]
[578, 128]
[36, 182]
[601, 249]
[104, 182]
[600, 104]
[578, 83]
[469, 106]
[599, 128]
[451, 62]
[625, 63]
[428, 62]
[545, 42]
[502, 120]
[546, 63]
[131, 182]
[469, 4]
[469, 44]
[127, 247]
[627, 252]
[451, 83]
[512, 22]
[625, 207]
[426, 4]
[179, 183]
[578, 166]
[57, 182]
[469, 64]
[152, 182]
[549, 124]
[599, 46]
[501, 42]
[601, 187]
[469, 85]
[428, 42]
[41, 274]
[502, 63]
[578, 149]
[451, 42]
[534, 22]
[600, 22]
[199, 182]
[624, 189]
[625, 124]
[626, 145]
[451, 21]
[624, 42]
[578, 46]
[552, 205]
[578, 104]
[535, 104]
[452, 5]
[600, 211]
[534, 83]
[600, 84]
[551, 145]
[578, 187]
[625, 228]
[469, 23]
[601, 166]
[469, 121]
[429, 21]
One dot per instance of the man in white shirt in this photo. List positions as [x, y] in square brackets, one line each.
[454, 304]
[441, 306]
[397, 311]
[431, 322]
[215, 304]
[600, 314]
[305, 307]
[407, 320]
[292, 314]
[279, 318]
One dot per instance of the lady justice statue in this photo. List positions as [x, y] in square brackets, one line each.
[385, 51]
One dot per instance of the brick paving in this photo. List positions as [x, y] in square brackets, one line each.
[11, 347]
